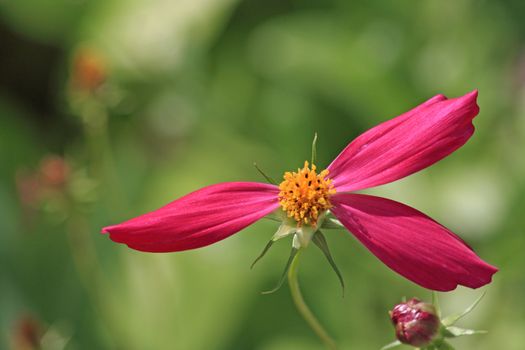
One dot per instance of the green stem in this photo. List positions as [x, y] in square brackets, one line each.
[303, 308]
[95, 117]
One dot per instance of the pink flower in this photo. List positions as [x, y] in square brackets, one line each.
[406, 240]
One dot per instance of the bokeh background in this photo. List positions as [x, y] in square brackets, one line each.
[111, 108]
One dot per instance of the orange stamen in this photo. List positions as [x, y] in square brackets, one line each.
[304, 195]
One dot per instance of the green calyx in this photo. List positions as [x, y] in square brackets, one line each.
[301, 238]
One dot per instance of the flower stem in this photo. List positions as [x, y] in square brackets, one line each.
[303, 308]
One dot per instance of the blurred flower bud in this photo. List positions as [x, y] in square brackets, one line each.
[46, 189]
[416, 322]
[26, 334]
[54, 171]
[89, 70]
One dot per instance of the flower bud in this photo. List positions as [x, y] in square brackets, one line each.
[88, 71]
[416, 322]
[54, 171]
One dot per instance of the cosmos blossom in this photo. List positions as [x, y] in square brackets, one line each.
[406, 240]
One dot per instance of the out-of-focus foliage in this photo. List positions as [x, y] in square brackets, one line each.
[142, 101]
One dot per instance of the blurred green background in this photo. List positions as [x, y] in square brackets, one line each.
[111, 108]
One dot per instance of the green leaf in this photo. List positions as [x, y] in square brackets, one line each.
[320, 241]
[450, 320]
[268, 178]
[314, 149]
[453, 332]
[266, 248]
[283, 277]
[391, 345]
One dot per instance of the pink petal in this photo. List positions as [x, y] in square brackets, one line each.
[199, 218]
[406, 144]
[411, 243]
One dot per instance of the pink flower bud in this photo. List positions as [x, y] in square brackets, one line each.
[54, 171]
[89, 70]
[416, 322]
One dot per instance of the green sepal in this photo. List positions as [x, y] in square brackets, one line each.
[450, 320]
[283, 231]
[268, 178]
[320, 241]
[332, 223]
[453, 332]
[391, 345]
[263, 253]
[329, 221]
[440, 345]
[283, 277]
[303, 236]
[272, 217]
[314, 149]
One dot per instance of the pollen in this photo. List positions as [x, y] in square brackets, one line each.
[304, 195]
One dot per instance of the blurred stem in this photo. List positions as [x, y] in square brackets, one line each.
[94, 116]
[89, 271]
[95, 119]
[303, 308]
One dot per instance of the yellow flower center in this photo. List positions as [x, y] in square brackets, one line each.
[304, 194]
